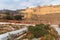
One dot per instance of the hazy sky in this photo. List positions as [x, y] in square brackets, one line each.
[18, 4]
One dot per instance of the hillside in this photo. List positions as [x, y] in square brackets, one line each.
[42, 10]
[51, 18]
[44, 14]
[5, 12]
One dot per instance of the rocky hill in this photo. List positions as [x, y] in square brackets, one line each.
[45, 14]
[42, 10]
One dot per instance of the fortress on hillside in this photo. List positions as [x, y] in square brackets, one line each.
[45, 14]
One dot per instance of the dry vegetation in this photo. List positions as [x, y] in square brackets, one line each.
[9, 27]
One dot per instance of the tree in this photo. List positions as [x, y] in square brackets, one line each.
[38, 30]
[8, 17]
[43, 30]
[18, 17]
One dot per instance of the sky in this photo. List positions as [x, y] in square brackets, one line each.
[21, 4]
